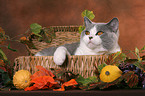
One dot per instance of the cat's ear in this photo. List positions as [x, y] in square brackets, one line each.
[87, 21]
[114, 24]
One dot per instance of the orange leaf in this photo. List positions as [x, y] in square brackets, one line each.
[37, 74]
[31, 88]
[72, 82]
[45, 71]
[42, 81]
[60, 89]
[42, 72]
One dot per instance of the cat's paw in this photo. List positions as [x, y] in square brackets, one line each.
[60, 55]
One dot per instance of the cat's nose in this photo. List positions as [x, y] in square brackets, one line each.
[90, 38]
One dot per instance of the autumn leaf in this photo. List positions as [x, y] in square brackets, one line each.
[42, 79]
[45, 71]
[103, 85]
[31, 88]
[72, 82]
[42, 72]
[131, 78]
[42, 82]
[115, 58]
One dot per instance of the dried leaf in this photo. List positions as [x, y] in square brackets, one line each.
[47, 72]
[42, 72]
[41, 81]
[3, 68]
[115, 58]
[37, 74]
[103, 85]
[31, 88]
[72, 82]
[131, 78]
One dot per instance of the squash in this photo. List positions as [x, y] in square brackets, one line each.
[22, 79]
[110, 73]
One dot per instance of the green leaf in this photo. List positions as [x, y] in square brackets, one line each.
[104, 85]
[5, 77]
[142, 48]
[136, 51]
[140, 65]
[80, 79]
[137, 54]
[88, 14]
[36, 29]
[3, 55]
[85, 82]
[11, 48]
[100, 67]
[81, 28]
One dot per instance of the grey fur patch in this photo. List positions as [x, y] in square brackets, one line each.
[108, 38]
[50, 51]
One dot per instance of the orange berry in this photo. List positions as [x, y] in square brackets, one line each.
[23, 38]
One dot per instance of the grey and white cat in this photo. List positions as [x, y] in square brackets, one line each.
[96, 39]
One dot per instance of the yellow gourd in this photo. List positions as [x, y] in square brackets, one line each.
[22, 79]
[110, 73]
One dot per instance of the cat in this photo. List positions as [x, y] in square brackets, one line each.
[95, 39]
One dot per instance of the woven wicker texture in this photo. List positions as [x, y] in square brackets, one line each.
[64, 35]
[84, 65]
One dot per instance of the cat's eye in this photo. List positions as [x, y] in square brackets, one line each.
[100, 33]
[87, 33]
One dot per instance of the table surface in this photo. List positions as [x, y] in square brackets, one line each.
[135, 92]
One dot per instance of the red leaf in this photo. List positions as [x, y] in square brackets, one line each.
[3, 68]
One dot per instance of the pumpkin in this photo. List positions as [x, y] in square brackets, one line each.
[110, 73]
[22, 79]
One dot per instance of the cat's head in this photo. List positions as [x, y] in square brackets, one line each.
[100, 34]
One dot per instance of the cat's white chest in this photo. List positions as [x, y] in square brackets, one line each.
[83, 50]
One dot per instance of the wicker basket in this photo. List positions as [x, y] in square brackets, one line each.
[83, 65]
[64, 35]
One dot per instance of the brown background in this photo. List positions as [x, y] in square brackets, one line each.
[17, 15]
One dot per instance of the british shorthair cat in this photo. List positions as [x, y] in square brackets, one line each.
[96, 39]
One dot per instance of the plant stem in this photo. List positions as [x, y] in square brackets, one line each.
[20, 34]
